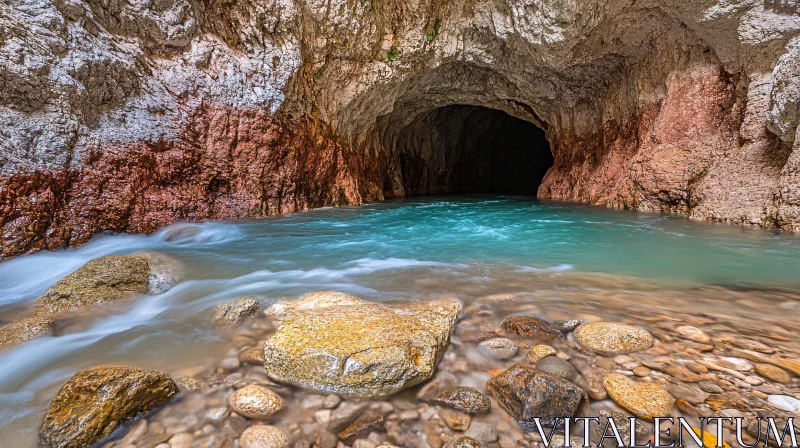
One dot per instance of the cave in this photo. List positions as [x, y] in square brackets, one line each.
[469, 149]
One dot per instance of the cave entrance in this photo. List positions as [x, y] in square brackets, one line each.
[470, 149]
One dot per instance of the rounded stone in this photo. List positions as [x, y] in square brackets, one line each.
[772, 373]
[181, 440]
[693, 334]
[565, 326]
[540, 352]
[613, 338]
[264, 436]
[252, 356]
[331, 401]
[499, 348]
[557, 367]
[465, 442]
[233, 312]
[645, 400]
[255, 402]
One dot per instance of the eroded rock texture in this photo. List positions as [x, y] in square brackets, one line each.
[125, 116]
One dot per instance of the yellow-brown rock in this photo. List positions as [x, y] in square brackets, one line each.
[772, 373]
[254, 401]
[99, 280]
[95, 402]
[645, 400]
[23, 330]
[613, 338]
[362, 351]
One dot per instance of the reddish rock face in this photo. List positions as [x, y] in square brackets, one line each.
[693, 152]
[225, 164]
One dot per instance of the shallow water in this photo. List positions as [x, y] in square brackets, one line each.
[570, 258]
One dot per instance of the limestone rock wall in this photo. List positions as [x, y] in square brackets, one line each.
[125, 116]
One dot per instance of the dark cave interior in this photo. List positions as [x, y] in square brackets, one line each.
[471, 149]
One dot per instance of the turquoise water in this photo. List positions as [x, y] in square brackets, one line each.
[467, 246]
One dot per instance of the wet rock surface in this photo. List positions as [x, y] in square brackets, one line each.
[613, 338]
[358, 351]
[23, 330]
[645, 400]
[264, 436]
[526, 393]
[203, 414]
[466, 399]
[230, 313]
[99, 280]
[556, 367]
[95, 402]
[254, 401]
[530, 327]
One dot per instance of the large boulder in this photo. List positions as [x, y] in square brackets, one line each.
[95, 402]
[99, 280]
[360, 351]
[283, 309]
[527, 393]
[23, 330]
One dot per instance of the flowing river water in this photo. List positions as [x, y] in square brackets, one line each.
[566, 260]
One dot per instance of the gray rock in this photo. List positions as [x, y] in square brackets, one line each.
[230, 313]
[499, 348]
[557, 367]
[464, 399]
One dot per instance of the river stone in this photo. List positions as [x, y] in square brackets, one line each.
[97, 281]
[525, 393]
[359, 351]
[283, 309]
[785, 402]
[23, 330]
[255, 401]
[613, 338]
[565, 326]
[253, 356]
[235, 311]
[370, 420]
[264, 436]
[558, 367]
[645, 400]
[539, 352]
[455, 420]
[499, 348]
[530, 327]
[465, 442]
[464, 399]
[94, 402]
[693, 334]
[791, 365]
[772, 373]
